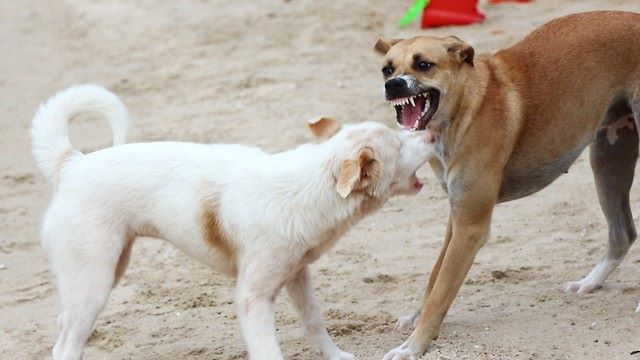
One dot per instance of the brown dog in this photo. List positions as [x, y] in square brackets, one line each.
[509, 124]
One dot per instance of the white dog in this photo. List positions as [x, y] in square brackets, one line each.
[257, 216]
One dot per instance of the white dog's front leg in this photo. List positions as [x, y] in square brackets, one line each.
[255, 297]
[304, 300]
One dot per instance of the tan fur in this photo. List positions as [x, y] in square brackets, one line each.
[358, 173]
[62, 160]
[512, 122]
[323, 127]
[348, 177]
[213, 234]
[383, 45]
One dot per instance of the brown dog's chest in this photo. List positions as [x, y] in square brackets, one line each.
[519, 178]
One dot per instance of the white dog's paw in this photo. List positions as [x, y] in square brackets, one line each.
[407, 322]
[340, 355]
[584, 286]
[402, 352]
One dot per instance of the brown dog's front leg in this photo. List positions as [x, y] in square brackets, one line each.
[466, 240]
[469, 232]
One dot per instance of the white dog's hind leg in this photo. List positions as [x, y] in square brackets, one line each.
[301, 293]
[85, 271]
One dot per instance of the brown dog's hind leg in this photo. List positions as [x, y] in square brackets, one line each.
[613, 160]
[635, 106]
[635, 101]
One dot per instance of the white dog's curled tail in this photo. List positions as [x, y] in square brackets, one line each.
[50, 128]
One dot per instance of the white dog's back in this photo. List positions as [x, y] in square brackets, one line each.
[154, 189]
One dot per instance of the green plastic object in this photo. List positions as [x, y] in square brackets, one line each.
[412, 12]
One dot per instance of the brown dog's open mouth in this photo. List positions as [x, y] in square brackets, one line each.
[415, 112]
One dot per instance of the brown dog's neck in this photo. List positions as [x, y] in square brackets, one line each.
[455, 120]
[488, 102]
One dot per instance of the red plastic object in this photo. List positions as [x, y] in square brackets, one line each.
[451, 12]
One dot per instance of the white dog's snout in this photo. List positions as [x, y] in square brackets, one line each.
[410, 79]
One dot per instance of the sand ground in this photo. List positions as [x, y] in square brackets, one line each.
[253, 72]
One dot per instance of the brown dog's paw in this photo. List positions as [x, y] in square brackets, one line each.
[402, 352]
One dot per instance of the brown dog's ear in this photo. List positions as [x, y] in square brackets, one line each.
[461, 50]
[358, 173]
[323, 127]
[383, 45]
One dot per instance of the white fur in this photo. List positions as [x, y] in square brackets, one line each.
[402, 352]
[595, 278]
[50, 131]
[406, 322]
[278, 211]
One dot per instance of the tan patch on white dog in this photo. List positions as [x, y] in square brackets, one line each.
[211, 226]
[323, 127]
[62, 160]
[358, 173]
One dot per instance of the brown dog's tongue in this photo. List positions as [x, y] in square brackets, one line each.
[410, 115]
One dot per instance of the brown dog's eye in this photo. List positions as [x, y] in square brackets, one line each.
[387, 71]
[424, 65]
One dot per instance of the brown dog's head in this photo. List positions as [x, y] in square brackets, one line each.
[419, 72]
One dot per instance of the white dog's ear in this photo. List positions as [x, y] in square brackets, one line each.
[358, 173]
[383, 45]
[324, 127]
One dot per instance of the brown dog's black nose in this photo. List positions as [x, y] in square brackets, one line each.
[395, 88]
[395, 84]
